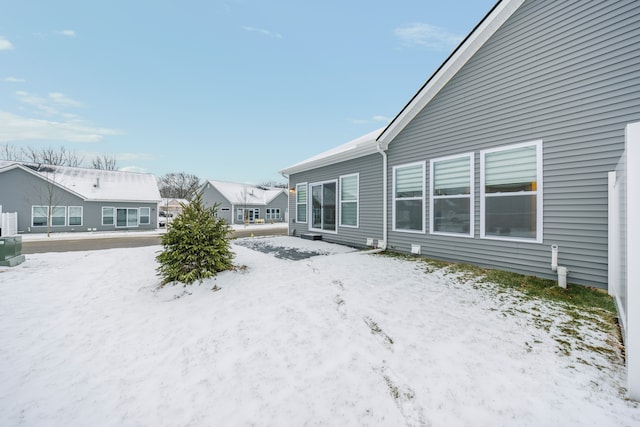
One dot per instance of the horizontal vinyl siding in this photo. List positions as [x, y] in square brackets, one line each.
[370, 199]
[20, 190]
[211, 196]
[566, 73]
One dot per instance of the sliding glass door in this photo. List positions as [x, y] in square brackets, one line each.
[323, 206]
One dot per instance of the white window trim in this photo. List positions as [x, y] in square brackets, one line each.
[81, 216]
[538, 192]
[309, 206]
[424, 193]
[302, 184]
[471, 196]
[113, 215]
[272, 214]
[357, 200]
[140, 216]
[64, 216]
[115, 218]
[33, 207]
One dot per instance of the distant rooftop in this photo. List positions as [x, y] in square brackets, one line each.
[95, 184]
[238, 193]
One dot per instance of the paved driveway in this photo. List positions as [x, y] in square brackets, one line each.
[128, 241]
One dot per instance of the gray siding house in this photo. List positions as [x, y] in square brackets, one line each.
[503, 152]
[337, 194]
[67, 199]
[245, 203]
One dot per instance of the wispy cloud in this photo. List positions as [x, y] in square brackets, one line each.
[67, 33]
[375, 119]
[427, 36]
[263, 32]
[20, 128]
[53, 121]
[14, 80]
[5, 44]
[50, 105]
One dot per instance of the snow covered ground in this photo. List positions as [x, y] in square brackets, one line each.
[342, 338]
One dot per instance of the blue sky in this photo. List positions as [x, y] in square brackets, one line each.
[231, 90]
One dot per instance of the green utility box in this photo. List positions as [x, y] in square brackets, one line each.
[11, 251]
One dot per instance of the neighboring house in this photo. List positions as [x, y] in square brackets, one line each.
[66, 199]
[171, 207]
[245, 203]
[502, 153]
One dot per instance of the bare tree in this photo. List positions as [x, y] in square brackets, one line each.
[273, 184]
[9, 152]
[105, 162]
[53, 156]
[178, 185]
[48, 197]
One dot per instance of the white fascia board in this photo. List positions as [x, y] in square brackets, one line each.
[450, 68]
[359, 147]
[353, 153]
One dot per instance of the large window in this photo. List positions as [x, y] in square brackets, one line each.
[75, 215]
[451, 207]
[349, 200]
[39, 216]
[323, 206]
[408, 197]
[511, 192]
[301, 202]
[108, 214]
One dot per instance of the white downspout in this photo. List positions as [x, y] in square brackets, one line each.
[384, 196]
[562, 271]
[288, 212]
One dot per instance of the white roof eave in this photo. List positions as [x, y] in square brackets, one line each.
[330, 160]
[359, 147]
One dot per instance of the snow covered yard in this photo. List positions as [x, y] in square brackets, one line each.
[342, 338]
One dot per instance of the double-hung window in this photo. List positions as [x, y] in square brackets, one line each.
[451, 207]
[349, 200]
[75, 215]
[408, 197]
[108, 214]
[511, 192]
[59, 216]
[324, 197]
[145, 215]
[301, 202]
[39, 216]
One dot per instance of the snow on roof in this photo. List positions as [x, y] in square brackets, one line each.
[96, 184]
[359, 147]
[238, 193]
[173, 201]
